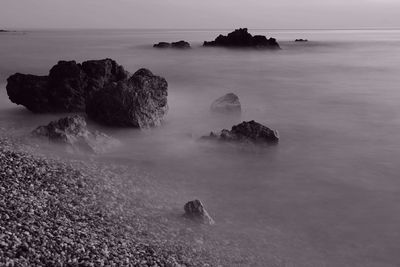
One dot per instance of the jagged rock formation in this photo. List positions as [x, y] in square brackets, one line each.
[250, 131]
[65, 88]
[242, 38]
[179, 45]
[102, 88]
[72, 131]
[141, 101]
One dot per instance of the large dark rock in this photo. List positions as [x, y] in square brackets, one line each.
[141, 101]
[66, 87]
[72, 131]
[250, 131]
[242, 38]
[31, 91]
[195, 210]
[102, 88]
[227, 104]
[179, 45]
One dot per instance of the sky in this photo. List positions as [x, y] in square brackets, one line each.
[200, 14]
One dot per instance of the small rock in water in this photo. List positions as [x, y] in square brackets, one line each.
[73, 132]
[301, 40]
[162, 45]
[250, 131]
[228, 103]
[180, 45]
[195, 210]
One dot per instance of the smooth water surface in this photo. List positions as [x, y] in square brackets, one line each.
[327, 195]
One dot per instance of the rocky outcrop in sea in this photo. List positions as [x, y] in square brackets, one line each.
[242, 38]
[179, 45]
[105, 90]
[246, 132]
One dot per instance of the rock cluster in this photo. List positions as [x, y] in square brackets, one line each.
[138, 100]
[242, 38]
[72, 131]
[195, 210]
[250, 131]
[227, 104]
[180, 45]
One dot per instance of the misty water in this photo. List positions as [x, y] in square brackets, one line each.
[326, 195]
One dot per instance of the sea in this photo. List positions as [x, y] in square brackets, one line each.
[327, 195]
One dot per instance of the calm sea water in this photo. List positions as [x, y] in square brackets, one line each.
[327, 195]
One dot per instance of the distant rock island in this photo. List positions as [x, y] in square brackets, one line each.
[301, 40]
[242, 38]
[4, 30]
[180, 45]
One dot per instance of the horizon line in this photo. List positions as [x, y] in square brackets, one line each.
[202, 29]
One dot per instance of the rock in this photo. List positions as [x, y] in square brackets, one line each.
[140, 102]
[66, 87]
[195, 210]
[228, 103]
[301, 40]
[179, 45]
[162, 45]
[30, 91]
[241, 38]
[72, 131]
[250, 131]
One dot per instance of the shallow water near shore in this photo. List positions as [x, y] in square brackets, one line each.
[326, 195]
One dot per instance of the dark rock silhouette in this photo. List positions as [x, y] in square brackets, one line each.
[72, 131]
[301, 40]
[241, 38]
[66, 87]
[162, 45]
[178, 45]
[102, 88]
[228, 103]
[250, 131]
[140, 101]
[195, 210]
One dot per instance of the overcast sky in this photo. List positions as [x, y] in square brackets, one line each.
[267, 14]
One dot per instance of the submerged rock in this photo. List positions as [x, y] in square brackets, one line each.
[241, 38]
[250, 131]
[141, 101]
[228, 103]
[66, 87]
[195, 210]
[179, 45]
[301, 40]
[72, 131]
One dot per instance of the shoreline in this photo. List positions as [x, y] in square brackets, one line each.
[56, 213]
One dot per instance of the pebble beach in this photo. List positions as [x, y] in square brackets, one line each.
[59, 213]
